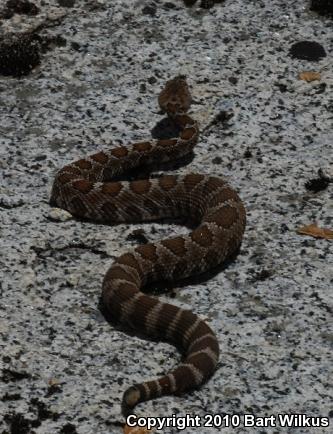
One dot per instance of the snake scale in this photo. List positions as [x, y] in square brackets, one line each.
[85, 188]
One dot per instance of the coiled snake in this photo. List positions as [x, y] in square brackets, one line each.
[85, 188]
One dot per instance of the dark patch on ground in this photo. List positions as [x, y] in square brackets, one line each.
[307, 50]
[323, 7]
[21, 7]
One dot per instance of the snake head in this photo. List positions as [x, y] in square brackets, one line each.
[175, 97]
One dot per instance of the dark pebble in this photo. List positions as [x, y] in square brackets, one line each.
[152, 80]
[307, 50]
[69, 428]
[233, 80]
[207, 4]
[138, 235]
[6, 14]
[323, 7]
[168, 5]
[19, 54]
[149, 10]
[317, 184]
[22, 7]
[189, 2]
[66, 3]
[75, 45]
[247, 153]
[217, 160]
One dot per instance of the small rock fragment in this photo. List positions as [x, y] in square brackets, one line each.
[309, 76]
[59, 215]
[138, 235]
[315, 231]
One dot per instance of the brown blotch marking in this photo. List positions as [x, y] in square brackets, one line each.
[202, 236]
[142, 146]
[210, 185]
[224, 217]
[148, 251]
[115, 299]
[223, 196]
[191, 180]
[201, 329]
[152, 386]
[167, 182]
[111, 188]
[64, 178]
[208, 341]
[214, 183]
[119, 273]
[83, 185]
[72, 169]
[100, 157]
[176, 245]
[202, 362]
[166, 142]
[119, 152]
[188, 133]
[167, 314]
[141, 186]
[184, 377]
[140, 312]
[129, 259]
[124, 292]
[187, 319]
[83, 164]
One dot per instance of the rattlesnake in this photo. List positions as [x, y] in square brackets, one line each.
[85, 189]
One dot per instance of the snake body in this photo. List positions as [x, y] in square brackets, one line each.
[85, 188]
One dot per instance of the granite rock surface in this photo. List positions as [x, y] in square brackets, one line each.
[63, 366]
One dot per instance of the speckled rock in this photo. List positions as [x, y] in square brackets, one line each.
[63, 366]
